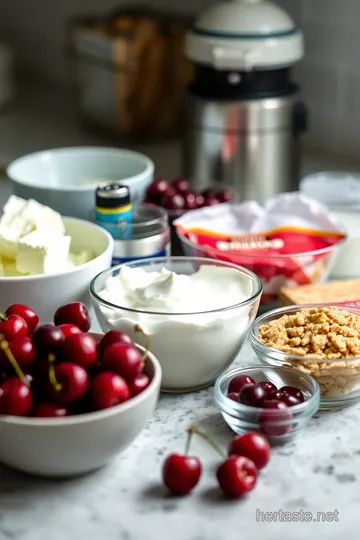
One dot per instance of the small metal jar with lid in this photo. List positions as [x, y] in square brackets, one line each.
[114, 209]
[148, 235]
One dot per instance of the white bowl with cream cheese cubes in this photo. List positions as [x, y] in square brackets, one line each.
[47, 260]
[194, 313]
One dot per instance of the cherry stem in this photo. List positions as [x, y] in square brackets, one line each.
[3, 317]
[147, 343]
[195, 431]
[52, 376]
[190, 433]
[9, 355]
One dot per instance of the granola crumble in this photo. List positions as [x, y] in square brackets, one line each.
[329, 334]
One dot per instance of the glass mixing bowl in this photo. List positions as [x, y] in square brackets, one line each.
[193, 348]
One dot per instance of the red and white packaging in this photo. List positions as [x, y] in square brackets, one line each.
[291, 241]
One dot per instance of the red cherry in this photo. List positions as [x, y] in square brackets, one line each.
[74, 313]
[275, 419]
[47, 338]
[200, 201]
[12, 327]
[234, 396]
[79, 348]
[209, 192]
[284, 396]
[181, 473]
[29, 315]
[268, 387]
[156, 191]
[173, 201]
[181, 186]
[224, 195]
[211, 201]
[125, 360]
[107, 390]
[238, 382]
[237, 476]
[69, 330]
[23, 350]
[50, 410]
[253, 446]
[16, 398]
[114, 336]
[293, 391]
[190, 201]
[74, 382]
[139, 384]
[252, 395]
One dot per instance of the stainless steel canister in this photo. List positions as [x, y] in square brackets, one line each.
[149, 235]
[252, 145]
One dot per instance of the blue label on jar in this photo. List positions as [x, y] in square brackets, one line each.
[117, 221]
[121, 260]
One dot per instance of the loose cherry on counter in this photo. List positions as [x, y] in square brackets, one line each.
[47, 338]
[252, 395]
[275, 418]
[74, 313]
[29, 315]
[16, 398]
[108, 390]
[80, 347]
[253, 446]
[224, 195]
[181, 472]
[47, 409]
[123, 359]
[237, 476]
[174, 201]
[111, 337]
[70, 385]
[13, 326]
[238, 382]
[181, 186]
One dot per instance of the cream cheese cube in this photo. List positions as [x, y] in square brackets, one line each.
[21, 217]
[41, 253]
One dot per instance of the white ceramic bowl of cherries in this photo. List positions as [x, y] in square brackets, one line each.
[179, 195]
[70, 400]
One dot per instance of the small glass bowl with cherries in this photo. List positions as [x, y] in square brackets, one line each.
[277, 402]
[178, 196]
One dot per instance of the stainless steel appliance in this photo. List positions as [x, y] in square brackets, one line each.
[244, 115]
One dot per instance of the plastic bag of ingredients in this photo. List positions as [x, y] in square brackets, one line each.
[291, 241]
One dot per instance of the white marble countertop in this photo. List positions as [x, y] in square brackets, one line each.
[317, 472]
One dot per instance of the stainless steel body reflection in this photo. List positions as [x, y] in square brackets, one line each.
[252, 145]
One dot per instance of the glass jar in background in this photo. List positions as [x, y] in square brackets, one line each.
[340, 192]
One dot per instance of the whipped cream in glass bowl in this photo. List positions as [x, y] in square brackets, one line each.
[195, 311]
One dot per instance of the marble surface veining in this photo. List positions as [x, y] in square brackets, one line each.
[319, 471]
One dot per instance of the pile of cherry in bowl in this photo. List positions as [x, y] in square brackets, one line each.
[57, 370]
[180, 195]
[275, 404]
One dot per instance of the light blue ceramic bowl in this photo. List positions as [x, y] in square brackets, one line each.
[66, 178]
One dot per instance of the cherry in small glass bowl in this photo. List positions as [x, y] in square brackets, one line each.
[278, 426]
[75, 445]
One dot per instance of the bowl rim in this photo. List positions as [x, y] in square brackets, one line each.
[218, 252]
[222, 399]
[149, 165]
[270, 352]
[70, 271]
[85, 418]
[256, 280]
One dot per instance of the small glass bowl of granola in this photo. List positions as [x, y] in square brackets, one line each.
[320, 340]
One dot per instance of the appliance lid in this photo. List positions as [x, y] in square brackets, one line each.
[243, 35]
